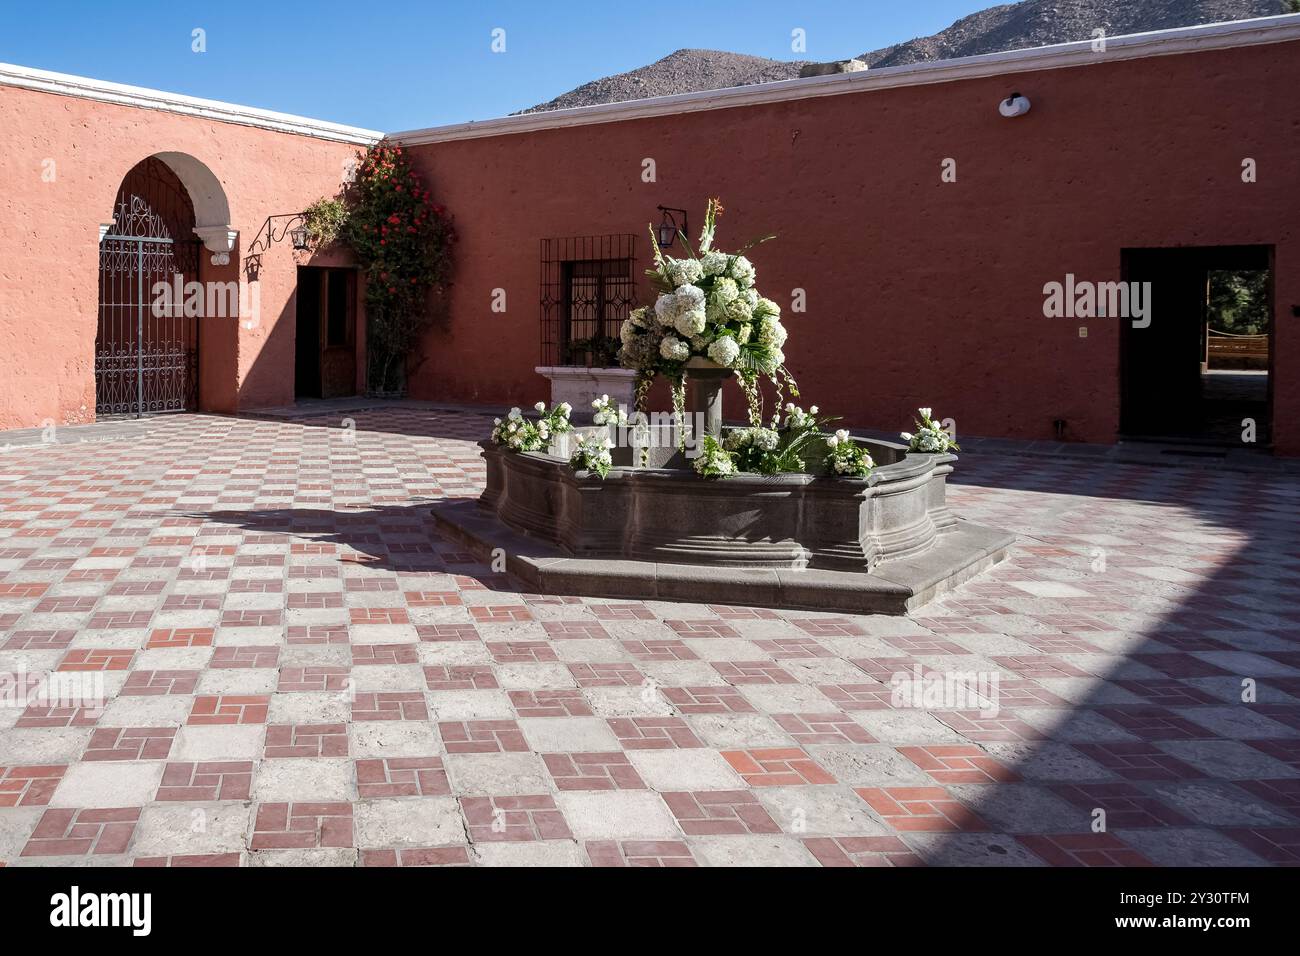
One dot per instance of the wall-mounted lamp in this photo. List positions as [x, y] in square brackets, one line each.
[1014, 105]
[295, 228]
[668, 227]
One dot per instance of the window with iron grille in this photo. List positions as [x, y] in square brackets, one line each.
[588, 289]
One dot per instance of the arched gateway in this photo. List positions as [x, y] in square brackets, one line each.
[146, 349]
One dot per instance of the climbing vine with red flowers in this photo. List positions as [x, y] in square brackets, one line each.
[403, 241]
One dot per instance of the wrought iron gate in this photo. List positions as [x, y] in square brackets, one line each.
[146, 349]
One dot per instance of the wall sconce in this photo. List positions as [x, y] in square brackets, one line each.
[668, 228]
[1014, 105]
[295, 228]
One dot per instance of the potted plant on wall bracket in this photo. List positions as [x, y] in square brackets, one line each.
[324, 220]
[402, 240]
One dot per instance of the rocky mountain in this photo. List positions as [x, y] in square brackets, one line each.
[1012, 26]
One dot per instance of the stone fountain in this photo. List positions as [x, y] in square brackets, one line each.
[883, 544]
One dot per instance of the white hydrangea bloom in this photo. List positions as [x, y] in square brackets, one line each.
[689, 297]
[666, 309]
[674, 349]
[724, 350]
[737, 310]
[713, 263]
[772, 333]
[742, 270]
[683, 271]
[724, 290]
[766, 309]
[691, 323]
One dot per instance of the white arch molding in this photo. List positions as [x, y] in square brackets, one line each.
[211, 208]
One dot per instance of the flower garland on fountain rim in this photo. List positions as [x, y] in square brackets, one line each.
[519, 434]
[930, 437]
[708, 307]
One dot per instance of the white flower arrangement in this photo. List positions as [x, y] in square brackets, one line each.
[760, 439]
[604, 412]
[930, 437]
[846, 458]
[707, 307]
[714, 461]
[796, 417]
[592, 454]
[520, 434]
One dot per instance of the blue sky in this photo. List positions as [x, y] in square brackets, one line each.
[399, 64]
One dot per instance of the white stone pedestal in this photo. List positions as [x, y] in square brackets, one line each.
[579, 386]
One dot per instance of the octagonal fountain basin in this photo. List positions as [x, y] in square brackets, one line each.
[882, 544]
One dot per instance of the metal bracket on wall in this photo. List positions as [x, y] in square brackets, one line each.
[269, 233]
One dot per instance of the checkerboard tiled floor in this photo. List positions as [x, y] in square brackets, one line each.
[298, 670]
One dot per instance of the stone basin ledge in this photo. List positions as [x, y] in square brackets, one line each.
[886, 544]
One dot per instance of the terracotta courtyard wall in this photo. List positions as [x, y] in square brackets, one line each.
[918, 291]
[50, 236]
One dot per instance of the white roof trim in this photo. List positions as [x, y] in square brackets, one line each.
[1212, 36]
[65, 84]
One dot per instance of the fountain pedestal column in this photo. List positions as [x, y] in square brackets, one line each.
[704, 381]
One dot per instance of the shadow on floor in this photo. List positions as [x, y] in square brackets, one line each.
[1238, 631]
[398, 538]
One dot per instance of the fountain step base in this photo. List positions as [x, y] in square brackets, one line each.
[894, 587]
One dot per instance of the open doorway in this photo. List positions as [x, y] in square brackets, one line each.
[1199, 372]
[325, 354]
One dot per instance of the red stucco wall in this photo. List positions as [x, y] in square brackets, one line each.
[918, 292]
[49, 246]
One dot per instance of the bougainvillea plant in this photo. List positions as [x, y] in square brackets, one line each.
[403, 240]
